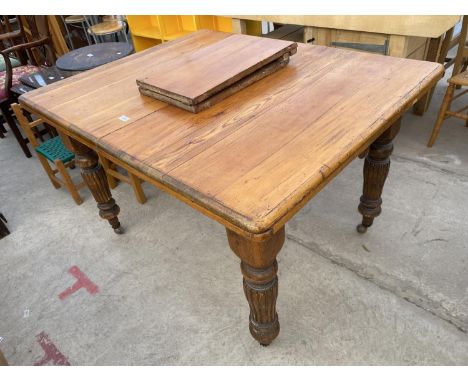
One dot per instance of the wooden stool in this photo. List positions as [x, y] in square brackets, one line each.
[445, 112]
[52, 150]
[108, 27]
[113, 176]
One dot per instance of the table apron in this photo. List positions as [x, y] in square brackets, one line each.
[225, 221]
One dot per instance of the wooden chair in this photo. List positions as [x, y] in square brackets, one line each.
[445, 112]
[33, 55]
[457, 81]
[52, 150]
[113, 176]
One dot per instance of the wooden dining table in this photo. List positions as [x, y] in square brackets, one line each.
[251, 161]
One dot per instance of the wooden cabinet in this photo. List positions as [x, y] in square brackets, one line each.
[398, 36]
[415, 37]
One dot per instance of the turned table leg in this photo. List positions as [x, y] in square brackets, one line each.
[376, 167]
[259, 268]
[95, 178]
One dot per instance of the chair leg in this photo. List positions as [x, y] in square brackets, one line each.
[440, 118]
[124, 34]
[89, 36]
[14, 128]
[136, 185]
[70, 38]
[2, 121]
[68, 182]
[3, 232]
[2, 128]
[85, 29]
[50, 173]
[107, 166]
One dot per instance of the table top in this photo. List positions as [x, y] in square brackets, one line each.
[252, 160]
[45, 76]
[421, 26]
[207, 71]
[92, 56]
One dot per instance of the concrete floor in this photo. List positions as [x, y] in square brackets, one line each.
[170, 290]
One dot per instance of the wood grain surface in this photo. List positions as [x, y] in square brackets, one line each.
[194, 76]
[226, 92]
[254, 159]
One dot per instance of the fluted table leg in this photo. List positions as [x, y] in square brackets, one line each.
[259, 268]
[376, 167]
[95, 178]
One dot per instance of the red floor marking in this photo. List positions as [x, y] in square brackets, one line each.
[82, 282]
[51, 352]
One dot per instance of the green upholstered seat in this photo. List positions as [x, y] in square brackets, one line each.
[54, 149]
[14, 63]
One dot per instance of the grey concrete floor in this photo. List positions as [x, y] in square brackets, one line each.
[170, 289]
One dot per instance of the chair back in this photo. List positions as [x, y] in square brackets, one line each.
[27, 123]
[38, 51]
[9, 26]
[11, 33]
[462, 51]
[35, 28]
